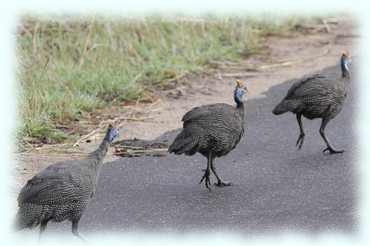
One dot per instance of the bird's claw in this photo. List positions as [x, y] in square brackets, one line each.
[222, 184]
[300, 141]
[206, 179]
[331, 151]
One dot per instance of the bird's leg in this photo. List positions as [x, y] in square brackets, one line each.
[43, 225]
[329, 148]
[219, 183]
[75, 230]
[207, 173]
[300, 139]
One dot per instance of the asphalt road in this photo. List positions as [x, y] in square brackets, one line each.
[275, 186]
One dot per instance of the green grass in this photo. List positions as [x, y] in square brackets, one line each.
[71, 66]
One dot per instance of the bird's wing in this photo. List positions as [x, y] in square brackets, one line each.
[308, 86]
[56, 184]
[215, 118]
[207, 111]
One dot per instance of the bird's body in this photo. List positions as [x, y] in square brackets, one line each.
[61, 191]
[316, 96]
[212, 130]
[215, 128]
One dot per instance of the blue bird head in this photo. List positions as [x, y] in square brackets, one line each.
[239, 92]
[112, 133]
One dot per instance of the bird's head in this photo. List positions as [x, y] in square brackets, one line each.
[345, 64]
[112, 133]
[239, 92]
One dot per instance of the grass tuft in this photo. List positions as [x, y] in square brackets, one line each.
[71, 66]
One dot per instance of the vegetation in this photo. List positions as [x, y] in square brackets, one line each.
[70, 66]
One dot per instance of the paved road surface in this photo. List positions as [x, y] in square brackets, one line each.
[275, 185]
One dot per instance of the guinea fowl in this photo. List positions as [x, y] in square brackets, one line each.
[213, 131]
[317, 96]
[63, 190]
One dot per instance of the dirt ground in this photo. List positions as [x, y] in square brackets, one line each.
[283, 58]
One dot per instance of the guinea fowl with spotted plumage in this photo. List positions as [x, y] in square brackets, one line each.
[63, 190]
[317, 96]
[213, 131]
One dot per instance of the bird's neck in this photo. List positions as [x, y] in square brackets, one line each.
[99, 154]
[345, 74]
[240, 108]
[239, 104]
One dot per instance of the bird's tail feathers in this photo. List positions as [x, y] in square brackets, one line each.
[285, 106]
[26, 218]
[184, 143]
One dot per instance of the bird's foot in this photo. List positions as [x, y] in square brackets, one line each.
[300, 141]
[82, 238]
[221, 183]
[331, 151]
[206, 179]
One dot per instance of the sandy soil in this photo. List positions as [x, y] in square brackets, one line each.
[282, 58]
